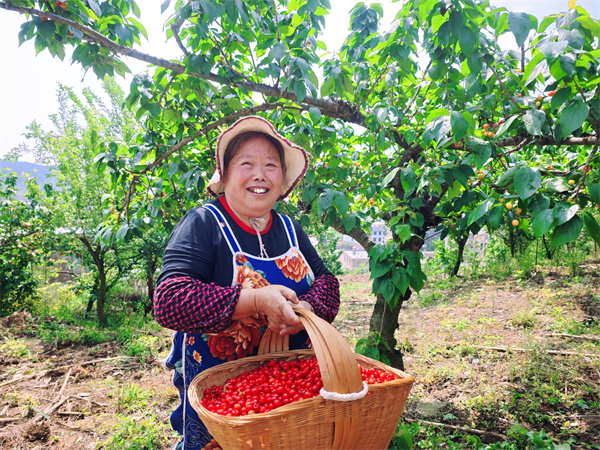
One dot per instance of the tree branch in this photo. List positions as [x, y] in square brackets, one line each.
[336, 109]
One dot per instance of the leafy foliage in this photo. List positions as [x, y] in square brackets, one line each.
[25, 236]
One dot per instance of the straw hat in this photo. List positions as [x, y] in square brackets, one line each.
[296, 158]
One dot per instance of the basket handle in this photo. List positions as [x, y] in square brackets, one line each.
[339, 369]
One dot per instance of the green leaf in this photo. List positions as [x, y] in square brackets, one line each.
[552, 50]
[594, 190]
[94, 5]
[520, 25]
[122, 232]
[507, 178]
[325, 200]
[381, 114]
[591, 226]
[328, 87]
[300, 90]
[538, 203]
[573, 116]
[542, 222]
[527, 182]
[387, 289]
[389, 177]
[210, 9]
[173, 169]
[164, 5]
[563, 212]
[234, 103]
[436, 113]
[495, 217]
[467, 40]
[382, 267]
[341, 203]
[534, 120]
[506, 125]
[566, 232]
[480, 211]
[437, 129]
[462, 173]
[403, 232]
[349, 222]
[409, 181]
[154, 110]
[376, 253]
[314, 113]
[278, 52]
[400, 279]
[567, 63]
[560, 97]
[459, 125]
[555, 184]
[482, 150]
[590, 24]
[535, 67]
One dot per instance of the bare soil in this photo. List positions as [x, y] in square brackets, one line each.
[472, 347]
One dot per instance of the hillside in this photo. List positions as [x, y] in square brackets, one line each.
[24, 170]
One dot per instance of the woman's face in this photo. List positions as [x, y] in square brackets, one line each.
[254, 179]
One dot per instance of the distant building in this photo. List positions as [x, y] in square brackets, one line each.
[355, 258]
[478, 242]
[378, 233]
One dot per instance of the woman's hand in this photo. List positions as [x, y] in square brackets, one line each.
[277, 303]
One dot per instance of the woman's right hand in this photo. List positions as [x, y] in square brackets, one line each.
[274, 301]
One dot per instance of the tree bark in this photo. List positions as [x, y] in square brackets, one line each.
[101, 300]
[384, 320]
[461, 242]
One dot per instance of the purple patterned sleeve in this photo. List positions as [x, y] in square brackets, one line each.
[324, 297]
[189, 305]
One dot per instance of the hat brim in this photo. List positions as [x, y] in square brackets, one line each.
[296, 158]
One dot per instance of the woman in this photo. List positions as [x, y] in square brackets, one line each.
[233, 266]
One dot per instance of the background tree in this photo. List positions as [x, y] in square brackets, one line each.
[25, 240]
[398, 122]
[84, 127]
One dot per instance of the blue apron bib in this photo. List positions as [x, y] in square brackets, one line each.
[193, 353]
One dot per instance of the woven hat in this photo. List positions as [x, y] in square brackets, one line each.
[296, 158]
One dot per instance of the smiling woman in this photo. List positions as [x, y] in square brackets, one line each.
[234, 267]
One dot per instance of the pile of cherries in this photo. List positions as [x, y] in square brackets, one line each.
[274, 384]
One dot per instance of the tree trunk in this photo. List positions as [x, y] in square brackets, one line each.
[101, 294]
[93, 296]
[549, 253]
[511, 241]
[461, 242]
[385, 322]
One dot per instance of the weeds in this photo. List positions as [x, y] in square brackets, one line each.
[131, 433]
[13, 348]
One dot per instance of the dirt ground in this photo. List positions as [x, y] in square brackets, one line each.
[455, 342]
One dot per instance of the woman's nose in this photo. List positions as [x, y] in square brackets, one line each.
[259, 173]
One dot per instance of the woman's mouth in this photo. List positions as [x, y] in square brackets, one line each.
[258, 190]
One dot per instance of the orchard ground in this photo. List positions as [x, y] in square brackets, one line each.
[487, 354]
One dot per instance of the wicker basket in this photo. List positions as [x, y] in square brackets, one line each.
[313, 423]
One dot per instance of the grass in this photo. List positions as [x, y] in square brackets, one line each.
[136, 433]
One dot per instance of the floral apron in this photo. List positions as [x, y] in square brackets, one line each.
[193, 353]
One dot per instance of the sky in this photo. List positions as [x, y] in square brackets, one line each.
[28, 83]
